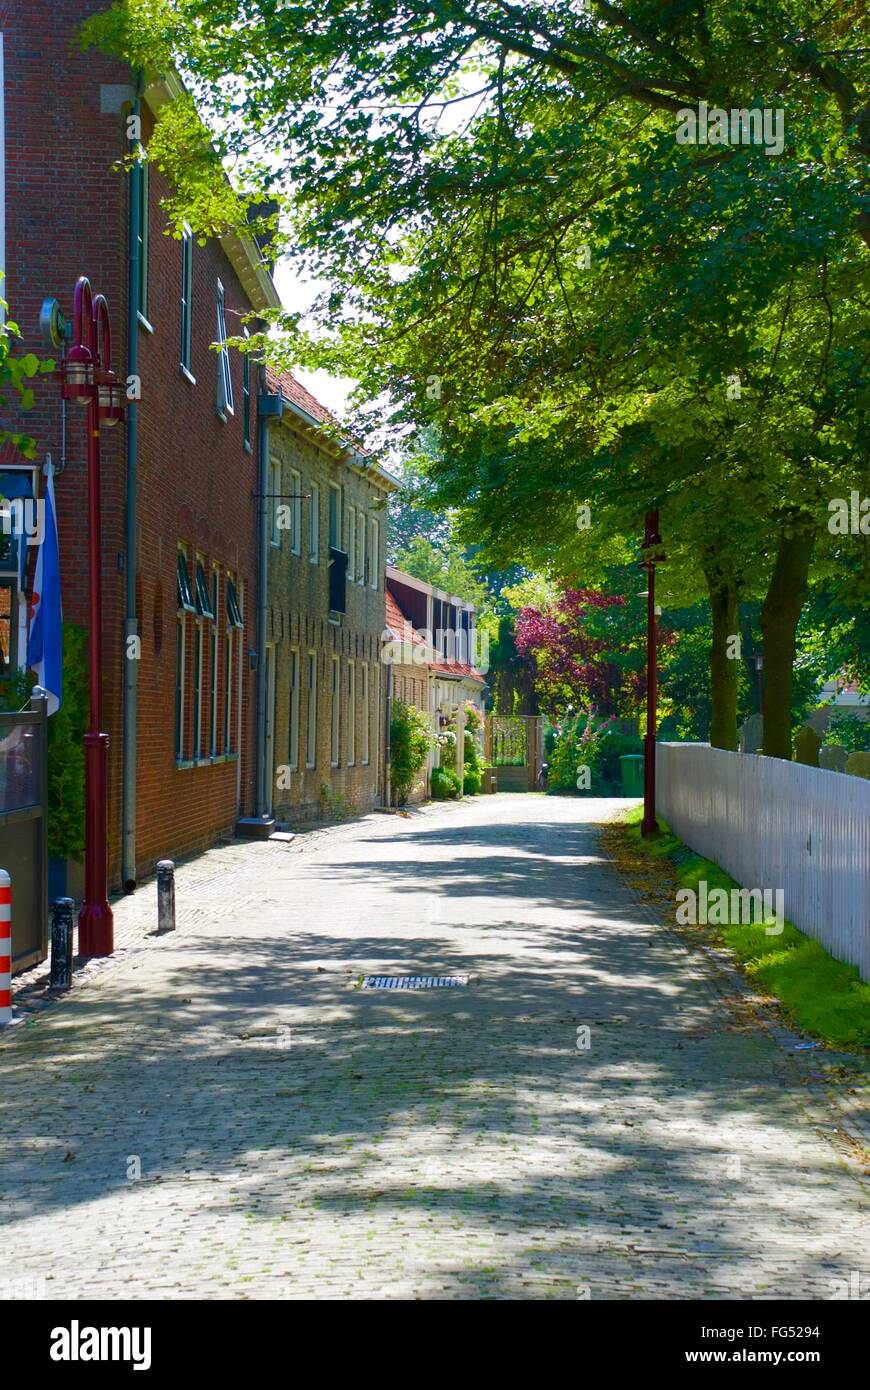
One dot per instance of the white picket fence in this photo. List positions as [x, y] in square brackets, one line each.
[773, 824]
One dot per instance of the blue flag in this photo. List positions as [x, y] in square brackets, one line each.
[44, 645]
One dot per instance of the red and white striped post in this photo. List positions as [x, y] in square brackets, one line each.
[5, 948]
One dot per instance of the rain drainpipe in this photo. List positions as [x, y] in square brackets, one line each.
[269, 407]
[131, 624]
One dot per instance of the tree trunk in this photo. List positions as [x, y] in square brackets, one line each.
[724, 669]
[780, 613]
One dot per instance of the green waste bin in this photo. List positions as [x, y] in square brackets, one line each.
[632, 773]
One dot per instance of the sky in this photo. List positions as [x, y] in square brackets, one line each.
[299, 294]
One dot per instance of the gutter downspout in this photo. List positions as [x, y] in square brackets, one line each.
[269, 407]
[131, 624]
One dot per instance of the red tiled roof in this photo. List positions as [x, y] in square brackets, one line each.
[457, 668]
[404, 631]
[399, 625]
[285, 384]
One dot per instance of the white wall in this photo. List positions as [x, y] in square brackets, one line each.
[773, 824]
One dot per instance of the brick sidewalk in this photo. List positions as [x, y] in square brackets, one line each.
[297, 1136]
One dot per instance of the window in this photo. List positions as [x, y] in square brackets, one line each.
[314, 525]
[274, 499]
[179, 689]
[246, 397]
[197, 691]
[366, 714]
[335, 729]
[361, 550]
[228, 689]
[334, 517]
[142, 234]
[8, 625]
[311, 723]
[232, 644]
[203, 598]
[186, 294]
[377, 679]
[293, 741]
[374, 552]
[351, 714]
[296, 512]
[351, 542]
[213, 666]
[185, 597]
[234, 612]
[224, 375]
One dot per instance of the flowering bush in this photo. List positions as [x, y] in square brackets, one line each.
[410, 740]
[580, 742]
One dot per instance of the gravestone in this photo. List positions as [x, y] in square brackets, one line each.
[833, 757]
[806, 747]
[858, 764]
[752, 734]
[820, 720]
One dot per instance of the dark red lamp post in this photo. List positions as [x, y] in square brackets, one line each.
[87, 379]
[651, 544]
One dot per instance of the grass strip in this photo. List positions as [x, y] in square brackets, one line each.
[820, 995]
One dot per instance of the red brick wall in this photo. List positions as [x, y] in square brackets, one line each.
[67, 215]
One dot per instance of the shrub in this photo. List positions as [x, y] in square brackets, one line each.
[410, 741]
[445, 784]
[580, 742]
[472, 781]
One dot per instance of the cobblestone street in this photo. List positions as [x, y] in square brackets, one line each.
[298, 1136]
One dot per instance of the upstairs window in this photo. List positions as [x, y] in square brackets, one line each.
[234, 612]
[314, 525]
[186, 294]
[224, 375]
[374, 552]
[351, 542]
[246, 397]
[204, 606]
[334, 517]
[185, 595]
[141, 234]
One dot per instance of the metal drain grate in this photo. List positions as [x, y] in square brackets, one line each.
[414, 981]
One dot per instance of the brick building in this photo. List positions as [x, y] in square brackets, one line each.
[431, 648]
[326, 697]
[180, 476]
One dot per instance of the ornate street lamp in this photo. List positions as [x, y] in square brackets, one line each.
[87, 379]
[651, 545]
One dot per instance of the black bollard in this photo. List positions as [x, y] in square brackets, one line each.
[166, 895]
[61, 945]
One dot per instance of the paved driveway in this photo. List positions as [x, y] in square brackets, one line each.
[224, 1113]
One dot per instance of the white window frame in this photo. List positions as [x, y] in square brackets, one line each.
[198, 663]
[296, 512]
[335, 714]
[351, 541]
[224, 374]
[314, 525]
[293, 736]
[180, 681]
[334, 537]
[365, 748]
[187, 243]
[375, 551]
[214, 649]
[361, 549]
[311, 711]
[351, 714]
[274, 499]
